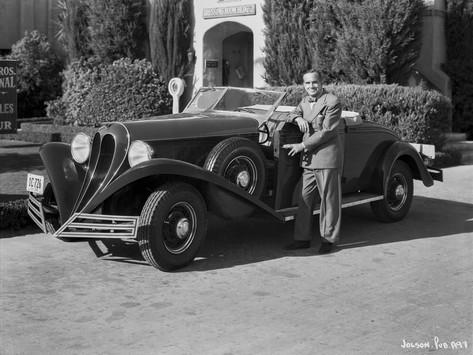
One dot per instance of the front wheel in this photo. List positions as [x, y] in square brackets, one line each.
[173, 225]
[398, 192]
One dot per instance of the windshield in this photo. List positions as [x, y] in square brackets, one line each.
[253, 101]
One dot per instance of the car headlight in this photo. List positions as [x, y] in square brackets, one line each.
[80, 148]
[139, 152]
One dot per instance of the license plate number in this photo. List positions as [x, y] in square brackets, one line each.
[35, 184]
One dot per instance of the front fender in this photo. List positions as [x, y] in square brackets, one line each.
[405, 152]
[229, 194]
[66, 176]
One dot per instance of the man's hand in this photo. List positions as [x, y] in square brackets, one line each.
[303, 124]
[294, 148]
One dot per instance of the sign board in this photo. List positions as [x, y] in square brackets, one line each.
[229, 11]
[211, 63]
[8, 101]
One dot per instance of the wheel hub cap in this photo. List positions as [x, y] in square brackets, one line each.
[182, 228]
[400, 191]
[243, 179]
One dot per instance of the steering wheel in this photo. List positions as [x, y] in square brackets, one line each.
[263, 131]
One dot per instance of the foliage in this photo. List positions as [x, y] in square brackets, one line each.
[169, 35]
[286, 40]
[459, 64]
[365, 41]
[14, 214]
[73, 32]
[123, 90]
[38, 73]
[115, 27]
[416, 115]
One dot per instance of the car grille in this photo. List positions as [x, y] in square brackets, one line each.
[109, 149]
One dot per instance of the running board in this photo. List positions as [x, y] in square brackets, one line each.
[348, 200]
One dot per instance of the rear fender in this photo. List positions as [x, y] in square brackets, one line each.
[405, 152]
[226, 199]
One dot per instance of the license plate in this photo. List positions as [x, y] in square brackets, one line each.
[35, 184]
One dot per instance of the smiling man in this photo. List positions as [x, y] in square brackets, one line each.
[318, 116]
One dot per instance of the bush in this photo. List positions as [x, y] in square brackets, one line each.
[14, 214]
[121, 91]
[38, 73]
[416, 115]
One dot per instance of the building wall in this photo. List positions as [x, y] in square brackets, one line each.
[18, 16]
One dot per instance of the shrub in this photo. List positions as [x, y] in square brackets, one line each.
[14, 214]
[38, 73]
[416, 115]
[123, 90]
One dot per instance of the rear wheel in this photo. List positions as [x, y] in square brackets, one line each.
[398, 193]
[173, 225]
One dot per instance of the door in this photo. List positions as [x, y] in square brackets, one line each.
[237, 66]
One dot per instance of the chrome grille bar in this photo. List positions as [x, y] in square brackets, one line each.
[36, 212]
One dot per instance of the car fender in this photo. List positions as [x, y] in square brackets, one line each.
[405, 152]
[65, 175]
[231, 198]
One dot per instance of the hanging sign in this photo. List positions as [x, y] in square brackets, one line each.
[230, 11]
[8, 100]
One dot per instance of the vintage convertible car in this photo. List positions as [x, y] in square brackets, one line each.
[155, 180]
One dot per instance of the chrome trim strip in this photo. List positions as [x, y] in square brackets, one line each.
[36, 212]
[112, 228]
[344, 205]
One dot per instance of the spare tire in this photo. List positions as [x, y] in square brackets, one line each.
[240, 161]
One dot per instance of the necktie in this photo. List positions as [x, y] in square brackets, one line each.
[312, 99]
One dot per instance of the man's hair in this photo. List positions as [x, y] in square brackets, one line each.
[316, 72]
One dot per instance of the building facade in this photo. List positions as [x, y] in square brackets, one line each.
[228, 39]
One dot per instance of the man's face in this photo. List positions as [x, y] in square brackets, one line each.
[312, 84]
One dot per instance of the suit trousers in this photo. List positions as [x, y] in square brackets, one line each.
[328, 182]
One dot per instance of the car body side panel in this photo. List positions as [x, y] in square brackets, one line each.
[230, 196]
[65, 175]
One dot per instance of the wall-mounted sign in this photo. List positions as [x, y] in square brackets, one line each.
[230, 11]
[8, 103]
[211, 63]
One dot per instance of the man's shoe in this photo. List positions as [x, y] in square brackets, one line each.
[298, 244]
[326, 248]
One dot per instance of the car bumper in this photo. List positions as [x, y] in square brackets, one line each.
[85, 225]
[437, 174]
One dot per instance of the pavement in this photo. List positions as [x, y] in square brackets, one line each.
[400, 288]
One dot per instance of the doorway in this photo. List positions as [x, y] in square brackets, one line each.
[237, 60]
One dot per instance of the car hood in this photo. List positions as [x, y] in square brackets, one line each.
[186, 125]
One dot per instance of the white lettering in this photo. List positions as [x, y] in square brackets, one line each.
[414, 345]
[7, 82]
[7, 108]
[5, 125]
[7, 71]
[439, 345]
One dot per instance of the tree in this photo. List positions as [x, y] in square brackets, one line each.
[115, 28]
[287, 56]
[169, 36]
[459, 66]
[73, 33]
[377, 40]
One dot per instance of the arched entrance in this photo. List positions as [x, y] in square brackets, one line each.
[228, 55]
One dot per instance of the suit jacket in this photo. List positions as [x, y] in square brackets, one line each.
[325, 140]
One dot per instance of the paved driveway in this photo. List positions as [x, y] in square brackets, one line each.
[390, 285]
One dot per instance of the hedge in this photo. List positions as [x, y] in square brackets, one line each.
[14, 214]
[415, 114]
[121, 91]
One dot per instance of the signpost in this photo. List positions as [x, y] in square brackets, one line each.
[8, 98]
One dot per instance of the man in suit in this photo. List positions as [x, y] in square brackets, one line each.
[318, 116]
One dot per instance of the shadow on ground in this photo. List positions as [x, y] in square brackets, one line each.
[12, 162]
[258, 239]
